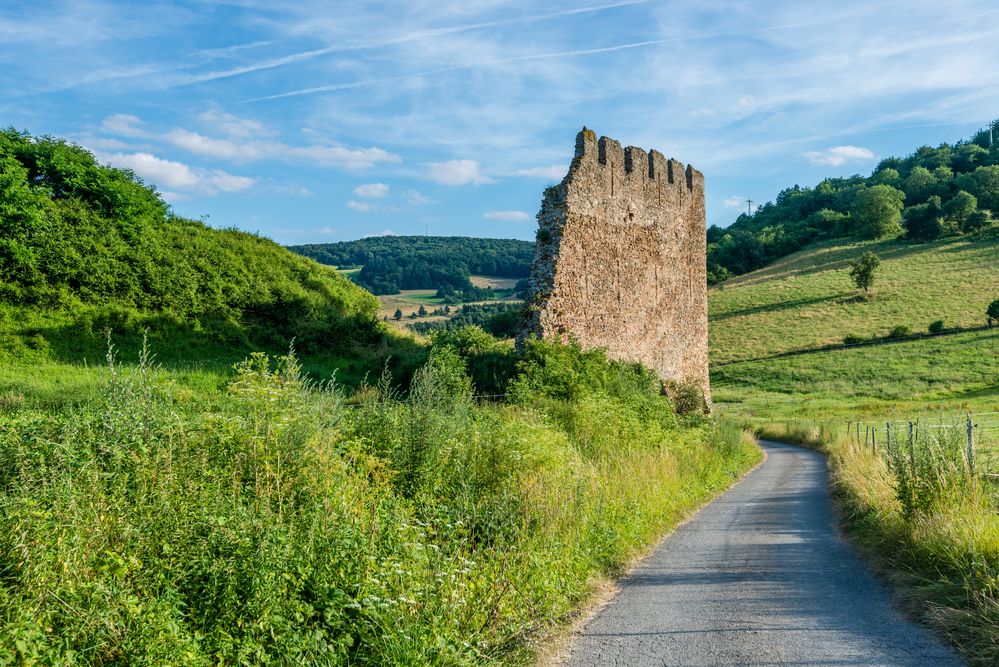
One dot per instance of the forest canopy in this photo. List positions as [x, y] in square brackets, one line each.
[393, 263]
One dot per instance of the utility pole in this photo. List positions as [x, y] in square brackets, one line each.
[749, 206]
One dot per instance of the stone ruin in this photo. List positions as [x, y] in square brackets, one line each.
[620, 261]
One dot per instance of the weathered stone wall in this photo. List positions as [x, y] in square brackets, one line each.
[620, 260]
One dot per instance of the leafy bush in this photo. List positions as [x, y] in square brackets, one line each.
[936, 327]
[901, 331]
[853, 339]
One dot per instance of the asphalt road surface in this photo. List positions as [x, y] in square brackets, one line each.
[760, 576]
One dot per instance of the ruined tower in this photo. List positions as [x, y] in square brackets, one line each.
[620, 260]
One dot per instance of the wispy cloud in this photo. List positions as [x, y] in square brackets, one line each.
[361, 206]
[553, 173]
[372, 190]
[456, 172]
[518, 216]
[735, 201]
[837, 156]
[417, 198]
[124, 124]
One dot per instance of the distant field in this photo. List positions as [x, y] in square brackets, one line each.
[807, 300]
[349, 272]
[495, 282]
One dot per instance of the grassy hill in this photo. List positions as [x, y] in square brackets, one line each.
[86, 249]
[807, 300]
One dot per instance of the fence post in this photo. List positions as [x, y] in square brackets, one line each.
[912, 453]
[971, 447]
[874, 441]
[888, 437]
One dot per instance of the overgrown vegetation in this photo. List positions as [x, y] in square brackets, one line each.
[279, 520]
[499, 319]
[393, 263]
[935, 192]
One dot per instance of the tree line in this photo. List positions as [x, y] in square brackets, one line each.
[393, 263]
[932, 193]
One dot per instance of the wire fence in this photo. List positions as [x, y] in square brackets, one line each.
[969, 442]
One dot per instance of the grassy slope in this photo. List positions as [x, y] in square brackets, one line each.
[807, 300]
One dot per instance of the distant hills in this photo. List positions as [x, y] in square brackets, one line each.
[389, 264]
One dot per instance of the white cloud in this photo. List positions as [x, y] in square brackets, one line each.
[327, 231]
[372, 190]
[361, 206]
[217, 148]
[506, 215]
[384, 232]
[232, 125]
[735, 201]
[554, 173]
[417, 198]
[124, 124]
[181, 179]
[839, 155]
[456, 172]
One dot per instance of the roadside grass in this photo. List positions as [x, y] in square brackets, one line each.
[273, 519]
[943, 559]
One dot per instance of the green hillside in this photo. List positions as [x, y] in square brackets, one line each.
[933, 193]
[86, 248]
[807, 300]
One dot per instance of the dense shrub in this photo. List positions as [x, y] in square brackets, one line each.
[901, 331]
[936, 327]
[853, 339]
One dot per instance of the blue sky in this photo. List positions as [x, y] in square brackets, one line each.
[322, 121]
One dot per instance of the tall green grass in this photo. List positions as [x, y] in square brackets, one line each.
[280, 520]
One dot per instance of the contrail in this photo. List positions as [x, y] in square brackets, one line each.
[402, 39]
[538, 56]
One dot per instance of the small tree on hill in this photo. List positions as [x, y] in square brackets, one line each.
[862, 270]
[993, 312]
[422, 312]
[398, 314]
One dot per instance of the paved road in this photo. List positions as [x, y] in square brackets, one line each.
[758, 577]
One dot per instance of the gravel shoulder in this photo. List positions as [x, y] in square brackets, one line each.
[761, 576]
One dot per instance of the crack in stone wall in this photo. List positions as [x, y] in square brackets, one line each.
[620, 260]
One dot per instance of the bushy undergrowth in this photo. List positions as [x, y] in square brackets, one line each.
[934, 530]
[283, 521]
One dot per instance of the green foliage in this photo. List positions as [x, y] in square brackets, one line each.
[393, 263]
[270, 523]
[853, 339]
[876, 211]
[900, 331]
[78, 236]
[937, 326]
[862, 270]
[866, 208]
[992, 312]
[499, 319]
